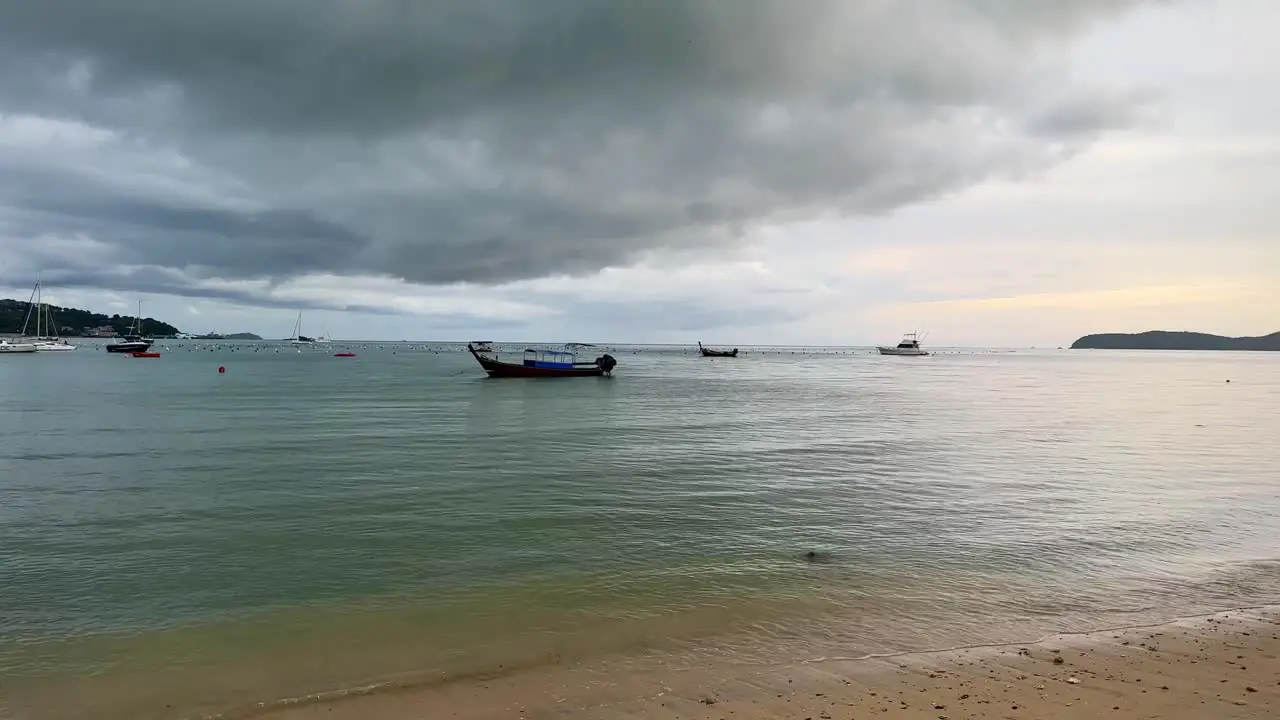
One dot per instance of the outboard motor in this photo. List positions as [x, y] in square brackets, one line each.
[606, 363]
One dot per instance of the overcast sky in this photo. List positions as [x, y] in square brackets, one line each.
[997, 172]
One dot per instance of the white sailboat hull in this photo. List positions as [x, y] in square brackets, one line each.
[46, 337]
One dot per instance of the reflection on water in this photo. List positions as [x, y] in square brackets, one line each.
[172, 536]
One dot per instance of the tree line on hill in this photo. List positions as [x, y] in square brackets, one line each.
[73, 322]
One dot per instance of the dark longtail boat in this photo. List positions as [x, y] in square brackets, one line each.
[708, 352]
[542, 363]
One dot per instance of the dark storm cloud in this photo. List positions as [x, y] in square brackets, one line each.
[161, 281]
[165, 232]
[382, 65]
[241, 242]
[494, 140]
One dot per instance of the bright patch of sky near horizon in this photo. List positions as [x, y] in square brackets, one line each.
[1165, 219]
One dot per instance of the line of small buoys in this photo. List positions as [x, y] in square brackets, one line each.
[394, 349]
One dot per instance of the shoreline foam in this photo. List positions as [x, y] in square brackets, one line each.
[1222, 665]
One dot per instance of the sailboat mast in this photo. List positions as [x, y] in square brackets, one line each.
[136, 328]
[31, 306]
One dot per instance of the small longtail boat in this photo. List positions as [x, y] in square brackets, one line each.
[708, 352]
[539, 362]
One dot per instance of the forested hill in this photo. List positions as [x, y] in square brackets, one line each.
[74, 322]
[1162, 340]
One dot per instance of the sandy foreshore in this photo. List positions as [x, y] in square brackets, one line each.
[1218, 666]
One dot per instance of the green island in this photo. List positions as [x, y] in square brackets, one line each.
[1165, 340]
[73, 322]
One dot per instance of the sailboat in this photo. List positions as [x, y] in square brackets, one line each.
[133, 341]
[53, 343]
[46, 338]
[297, 338]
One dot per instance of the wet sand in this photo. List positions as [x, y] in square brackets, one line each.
[1219, 666]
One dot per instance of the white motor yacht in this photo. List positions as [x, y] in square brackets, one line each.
[910, 346]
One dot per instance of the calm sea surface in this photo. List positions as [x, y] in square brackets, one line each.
[175, 542]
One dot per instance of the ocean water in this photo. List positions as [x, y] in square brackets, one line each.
[176, 542]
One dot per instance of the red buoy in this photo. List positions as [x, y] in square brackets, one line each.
[221, 369]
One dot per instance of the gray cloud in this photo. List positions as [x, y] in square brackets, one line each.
[683, 312]
[385, 65]
[1069, 120]
[497, 140]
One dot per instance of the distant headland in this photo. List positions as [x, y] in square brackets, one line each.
[1164, 340]
[228, 336]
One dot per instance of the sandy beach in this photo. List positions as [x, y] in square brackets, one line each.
[1220, 666]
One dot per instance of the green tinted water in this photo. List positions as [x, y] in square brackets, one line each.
[172, 536]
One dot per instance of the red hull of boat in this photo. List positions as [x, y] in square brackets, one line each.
[144, 355]
[344, 354]
[502, 369]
